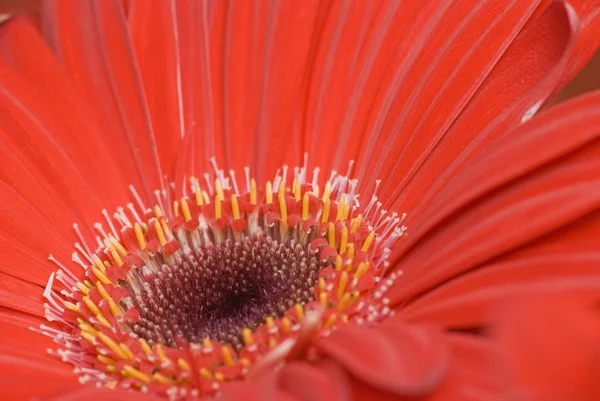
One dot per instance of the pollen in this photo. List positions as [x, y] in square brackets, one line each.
[182, 300]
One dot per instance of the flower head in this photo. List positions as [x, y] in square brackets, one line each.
[296, 200]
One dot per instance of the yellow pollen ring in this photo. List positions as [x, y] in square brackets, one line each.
[247, 336]
[227, 357]
[299, 311]
[139, 235]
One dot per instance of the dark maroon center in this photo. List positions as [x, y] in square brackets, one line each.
[215, 292]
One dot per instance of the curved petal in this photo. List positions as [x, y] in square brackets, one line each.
[526, 209]
[324, 381]
[566, 259]
[405, 360]
[456, 47]
[522, 80]
[550, 348]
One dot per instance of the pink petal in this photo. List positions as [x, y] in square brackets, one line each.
[324, 381]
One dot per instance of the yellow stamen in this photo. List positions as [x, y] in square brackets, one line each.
[322, 284]
[346, 211]
[106, 360]
[157, 211]
[338, 263]
[103, 321]
[220, 377]
[219, 189]
[98, 263]
[127, 351]
[305, 205]
[185, 209]
[176, 208]
[326, 208]
[182, 363]
[161, 379]
[331, 320]
[323, 299]
[345, 301]
[139, 235]
[270, 322]
[355, 224]
[286, 325]
[362, 268]
[272, 342]
[117, 245]
[198, 195]
[326, 191]
[342, 284]
[247, 336]
[160, 234]
[205, 197]
[82, 288]
[115, 256]
[340, 210]
[101, 276]
[161, 353]
[86, 327]
[283, 209]
[331, 235]
[89, 337]
[71, 306]
[350, 250]
[227, 357]
[205, 373]
[299, 311]
[297, 190]
[134, 373]
[145, 346]
[112, 345]
[218, 212]
[343, 240]
[281, 189]
[252, 191]
[368, 241]
[235, 207]
[91, 305]
[315, 190]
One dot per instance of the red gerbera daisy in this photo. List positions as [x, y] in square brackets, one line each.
[316, 200]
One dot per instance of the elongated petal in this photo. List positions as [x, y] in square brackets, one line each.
[550, 347]
[91, 40]
[524, 77]
[456, 47]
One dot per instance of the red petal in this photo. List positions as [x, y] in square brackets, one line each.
[567, 259]
[450, 52]
[26, 368]
[86, 393]
[405, 360]
[538, 203]
[525, 76]
[551, 348]
[314, 382]
[91, 40]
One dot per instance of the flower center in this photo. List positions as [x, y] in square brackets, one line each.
[217, 291]
[183, 297]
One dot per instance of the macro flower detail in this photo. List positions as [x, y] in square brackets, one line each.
[182, 299]
[298, 201]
